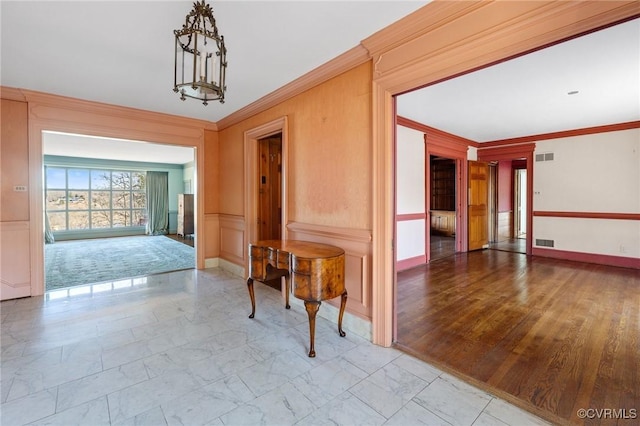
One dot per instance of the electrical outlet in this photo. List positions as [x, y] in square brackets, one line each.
[20, 188]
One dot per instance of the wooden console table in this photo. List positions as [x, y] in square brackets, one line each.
[313, 272]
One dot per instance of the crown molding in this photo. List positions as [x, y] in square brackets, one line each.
[445, 31]
[562, 134]
[348, 60]
[12, 94]
[75, 104]
[437, 133]
[424, 20]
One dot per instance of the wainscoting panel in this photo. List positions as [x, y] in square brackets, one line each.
[15, 276]
[357, 246]
[211, 236]
[232, 239]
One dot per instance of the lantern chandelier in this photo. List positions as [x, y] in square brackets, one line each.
[201, 57]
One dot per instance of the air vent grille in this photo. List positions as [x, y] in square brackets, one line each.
[544, 243]
[545, 156]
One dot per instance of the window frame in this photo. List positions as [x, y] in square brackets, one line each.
[132, 180]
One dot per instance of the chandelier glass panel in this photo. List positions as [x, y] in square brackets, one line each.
[201, 57]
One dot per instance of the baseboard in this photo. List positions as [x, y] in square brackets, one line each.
[601, 259]
[403, 264]
[231, 267]
[212, 263]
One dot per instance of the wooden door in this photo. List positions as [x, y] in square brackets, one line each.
[270, 188]
[478, 211]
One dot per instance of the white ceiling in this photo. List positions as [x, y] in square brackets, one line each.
[121, 52]
[529, 95]
[82, 146]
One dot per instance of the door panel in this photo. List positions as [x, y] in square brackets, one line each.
[270, 188]
[478, 205]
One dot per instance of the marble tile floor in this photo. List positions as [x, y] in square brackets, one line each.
[179, 349]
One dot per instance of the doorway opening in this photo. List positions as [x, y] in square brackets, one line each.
[442, 213]
[510, 190]
[520, 199]
[270, 193]
[266, 160]
[96, 210]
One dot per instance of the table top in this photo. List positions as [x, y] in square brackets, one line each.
[301, 249]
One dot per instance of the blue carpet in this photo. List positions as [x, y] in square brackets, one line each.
[69, 263]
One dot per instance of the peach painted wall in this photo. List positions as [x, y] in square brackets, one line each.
[329, 156]
[211, 172]
[211, 195]
[328, 176]
[14, 205]
[505, 191]
[14, 151]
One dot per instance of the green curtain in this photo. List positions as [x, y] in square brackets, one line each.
[48, 234]
[157, 203]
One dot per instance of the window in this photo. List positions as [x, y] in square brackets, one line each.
[83, 199]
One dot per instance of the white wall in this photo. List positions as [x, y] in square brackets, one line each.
[410, 192]
[592, 173]
[189, 177]
[472, 154]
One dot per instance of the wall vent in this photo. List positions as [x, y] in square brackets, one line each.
[546, 156]
[544, 243]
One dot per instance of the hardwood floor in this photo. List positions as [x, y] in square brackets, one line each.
[516, 245]
[442, 246]
[550, 336]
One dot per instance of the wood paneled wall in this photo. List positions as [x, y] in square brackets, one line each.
[232, 239]
[14, 154]
[329, 155]
[328, 175]
[357, 247]
[14, 202]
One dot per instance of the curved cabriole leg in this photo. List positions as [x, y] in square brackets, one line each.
[312, 309]
[287, 287]
[343, 303]
[252, 296]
